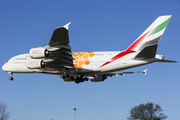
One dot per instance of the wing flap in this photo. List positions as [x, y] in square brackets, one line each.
[60, 61]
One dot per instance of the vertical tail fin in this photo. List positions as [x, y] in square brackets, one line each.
[147, 42]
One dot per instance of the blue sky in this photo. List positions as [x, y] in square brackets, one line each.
[97, 25]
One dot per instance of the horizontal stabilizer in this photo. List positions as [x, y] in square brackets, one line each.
[168, 61]
[132, 72]
[127, 72]
[147, 53]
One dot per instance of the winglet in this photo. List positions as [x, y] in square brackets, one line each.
[145, 71]
[67, 25]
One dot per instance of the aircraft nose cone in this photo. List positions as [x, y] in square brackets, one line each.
[4, 67]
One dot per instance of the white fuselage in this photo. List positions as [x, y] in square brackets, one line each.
[86, 63]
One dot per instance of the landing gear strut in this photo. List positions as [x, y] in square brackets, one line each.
[64, 75]
[80, 78]
[11, 74]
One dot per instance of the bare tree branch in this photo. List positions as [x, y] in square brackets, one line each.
[4, 115]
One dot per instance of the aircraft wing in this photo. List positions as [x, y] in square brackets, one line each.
[60, 55]
[60, 36]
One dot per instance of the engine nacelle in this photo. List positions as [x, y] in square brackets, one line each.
[35, 64]
[98, 78]
[38, 53]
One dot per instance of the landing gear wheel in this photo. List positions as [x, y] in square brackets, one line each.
[86, 79]
[66, 75]
[77, 81]
[62, 76]
[11, 78]
[72, 78]
[11, 74]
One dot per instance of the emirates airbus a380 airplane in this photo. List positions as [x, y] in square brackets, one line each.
[56, 58]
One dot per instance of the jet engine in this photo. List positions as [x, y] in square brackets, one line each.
[38, 53]
[98, 78]
[35, 64]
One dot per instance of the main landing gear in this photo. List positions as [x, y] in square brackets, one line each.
[11, 74]
[80, 78]
[65, 75]
[77, 79]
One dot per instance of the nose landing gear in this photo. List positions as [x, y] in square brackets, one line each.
[11, 74]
